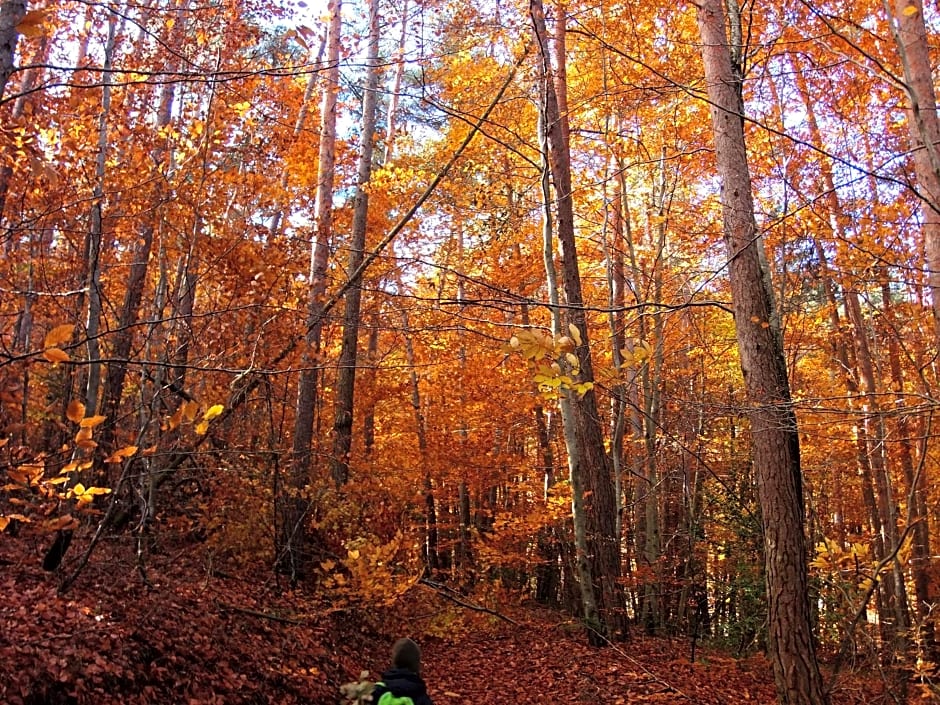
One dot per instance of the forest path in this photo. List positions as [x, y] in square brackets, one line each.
[541, 660]
[538, 663]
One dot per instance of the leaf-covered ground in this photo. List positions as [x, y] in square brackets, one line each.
[201, 635]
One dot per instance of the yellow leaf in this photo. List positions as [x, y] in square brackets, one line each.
[202, 427]
[75, 465]
[575, 333]
[92, 421]
[58, 335]
[55, 355]
[85, 495]
[910, 10]
[354, 554]
[212, 412]
[76, 411]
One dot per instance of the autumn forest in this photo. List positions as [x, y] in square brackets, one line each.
[622, 315]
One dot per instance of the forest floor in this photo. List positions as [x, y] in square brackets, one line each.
[201, 635]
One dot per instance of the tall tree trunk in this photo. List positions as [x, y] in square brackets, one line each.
[92, 253]
[592, 462]
[582, 565]
[871, 435]
[346, 375]
[775, 437]
[910, 35]
[291, 535]
[94, 238]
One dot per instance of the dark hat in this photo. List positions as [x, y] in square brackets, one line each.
[406, 654]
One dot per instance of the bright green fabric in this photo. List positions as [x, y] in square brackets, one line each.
[389, 699]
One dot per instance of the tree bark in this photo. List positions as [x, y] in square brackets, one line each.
[910, 34]
[11, 14]
[591, 461]
[346, 375]
[775, 439]
[291, 535]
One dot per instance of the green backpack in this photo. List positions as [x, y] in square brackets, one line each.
[389, 699]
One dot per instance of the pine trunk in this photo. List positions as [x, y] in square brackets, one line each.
[775, 438]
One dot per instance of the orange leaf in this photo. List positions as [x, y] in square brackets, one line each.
[55, 355]
[119, 455]
[63, 522]
[176, 419]
[92, 421]
[190, 409]
[33, 23]
[76, 411]
[58, 335]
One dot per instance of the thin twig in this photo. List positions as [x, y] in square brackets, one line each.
[445, 592]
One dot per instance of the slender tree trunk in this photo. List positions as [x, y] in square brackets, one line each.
[582, 564]
[391, 122]
[346, 375]
[591, 458]
[291, 535]
[140, 264]
[916, 478]
[774, 433]
[94, 239]
[11, 13]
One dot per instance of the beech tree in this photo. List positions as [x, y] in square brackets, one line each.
[183, 190]
[590, 466]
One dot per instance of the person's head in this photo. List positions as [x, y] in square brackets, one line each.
[406, 655]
